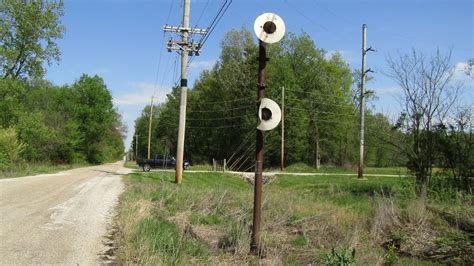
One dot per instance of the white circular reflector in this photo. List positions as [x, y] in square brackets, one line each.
[269, 28]
[269, 115]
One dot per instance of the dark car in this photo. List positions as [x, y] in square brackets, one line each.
[160, 161]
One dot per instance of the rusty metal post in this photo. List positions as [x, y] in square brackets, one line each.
[255, 246]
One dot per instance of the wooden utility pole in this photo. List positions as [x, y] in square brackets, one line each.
[362, 101]
[282, 155]
[318, 156]
[149, 128]
[186, 48]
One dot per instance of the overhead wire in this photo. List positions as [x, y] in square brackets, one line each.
[215, 127]
[223, 9]
[219, 118]
[222, 110]
[270, 154]
[216, 20]
[314, 111]
[310, 93]
[242, 144]
[161, 51]
[313, 22]
[229, 101]
[202, 13]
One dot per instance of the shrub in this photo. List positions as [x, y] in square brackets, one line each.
[341, 257]
[10, 148]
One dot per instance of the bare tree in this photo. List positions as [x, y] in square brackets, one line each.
[428, 97]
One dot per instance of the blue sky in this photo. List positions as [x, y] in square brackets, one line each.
[123, 40]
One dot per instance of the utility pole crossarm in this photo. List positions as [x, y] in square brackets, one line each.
[168, 28]
[193, 48]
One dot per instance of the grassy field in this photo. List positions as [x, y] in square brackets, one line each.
[304, 168]
[131, 164]
[306, 219]
[36, 169]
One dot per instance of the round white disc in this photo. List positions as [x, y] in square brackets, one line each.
[269, 37]
[265, 125]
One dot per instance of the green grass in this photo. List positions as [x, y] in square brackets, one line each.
[300, 241]
[131, 164]
[304, 168]
[201, 199]
[165, 239]
[36, 169]
[303, 218]
[203, 167]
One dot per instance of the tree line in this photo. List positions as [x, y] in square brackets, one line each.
[321, 117]
[39, 121]
[321, 113]
[74, 123]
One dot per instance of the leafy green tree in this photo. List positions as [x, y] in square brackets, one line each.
[455, 144]
[28, 31]
[380, 133]
[93, 109]
[39, 139]
[12, 98]
[221, 108]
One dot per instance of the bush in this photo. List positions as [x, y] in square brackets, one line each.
[10, 148]
[443, 189]
[341, 257]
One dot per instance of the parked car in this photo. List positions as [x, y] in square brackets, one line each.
[160, 161]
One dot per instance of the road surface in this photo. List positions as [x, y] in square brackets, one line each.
[58, 218]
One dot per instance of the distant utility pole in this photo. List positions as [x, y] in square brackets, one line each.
[282, 158]
[185, 48]
[362, 100]
[149, 128]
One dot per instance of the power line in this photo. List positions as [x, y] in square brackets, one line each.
[246, 139]
[219, 118]
[216, 20]
[301, 118]
[317, 93]
[222, 110]
[202, 12]
[305, 101]
[310, 112]
[229, 101]
[313, 22]
[215, 127]
[213, 24]
[161, 51]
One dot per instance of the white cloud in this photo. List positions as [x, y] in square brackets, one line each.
[202, 64]
[460, 72]
[144, 91]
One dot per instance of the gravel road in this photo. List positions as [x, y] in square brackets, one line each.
[58, 218]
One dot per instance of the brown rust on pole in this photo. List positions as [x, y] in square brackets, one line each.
[255, 246]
